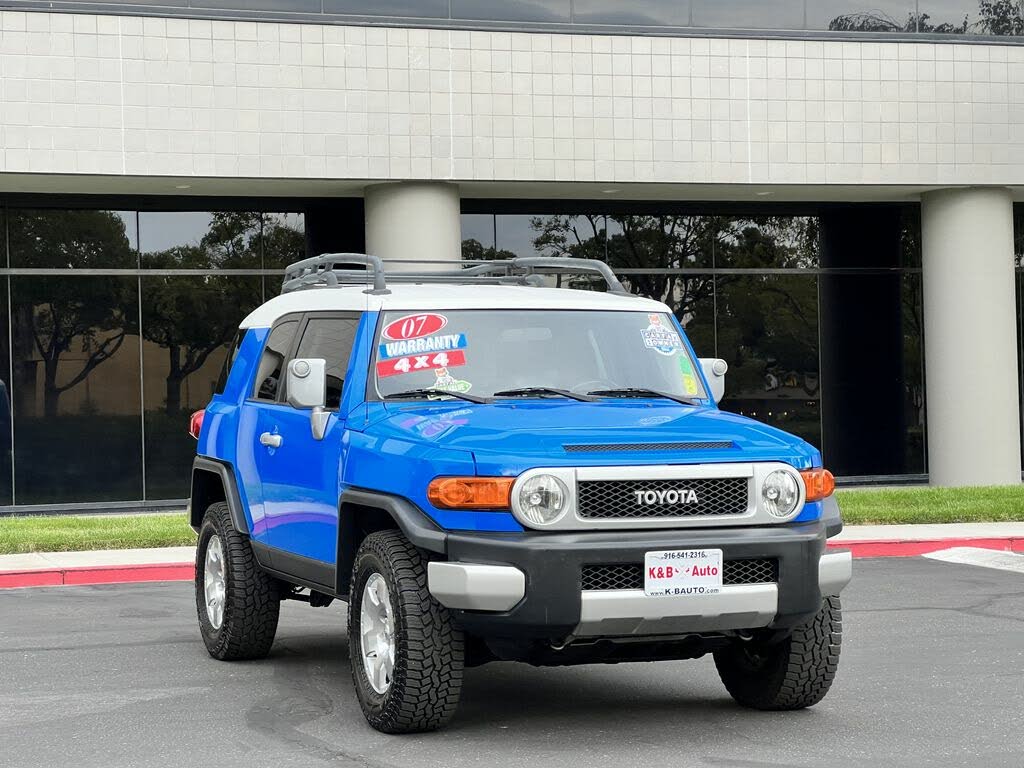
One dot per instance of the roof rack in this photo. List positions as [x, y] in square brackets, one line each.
[323, 272]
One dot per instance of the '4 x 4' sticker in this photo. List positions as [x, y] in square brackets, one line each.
[415, 363]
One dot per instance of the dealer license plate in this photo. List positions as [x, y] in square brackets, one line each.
[683, 572]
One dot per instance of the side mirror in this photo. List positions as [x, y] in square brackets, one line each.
[307, 388]
[714, 371]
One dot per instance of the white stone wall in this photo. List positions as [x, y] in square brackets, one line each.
[151, 96]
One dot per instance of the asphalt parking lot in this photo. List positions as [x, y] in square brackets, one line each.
[932, 673]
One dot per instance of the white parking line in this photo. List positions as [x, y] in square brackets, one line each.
[986, 558]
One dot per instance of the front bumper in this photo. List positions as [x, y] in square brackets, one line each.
[528, 585]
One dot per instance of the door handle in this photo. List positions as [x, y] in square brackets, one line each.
[270, 440]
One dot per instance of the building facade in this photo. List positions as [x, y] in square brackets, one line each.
[824, 192]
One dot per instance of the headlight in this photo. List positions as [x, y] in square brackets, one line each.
[543, 499]
[780, 493]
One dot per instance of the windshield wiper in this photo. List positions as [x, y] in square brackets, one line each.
[642, 392]
[424, 392]
[526, 391]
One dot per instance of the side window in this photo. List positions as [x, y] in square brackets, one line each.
[229, 360]
[268, 375]
[330, 338]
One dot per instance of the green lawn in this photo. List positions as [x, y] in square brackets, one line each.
[64, 533]
[896, 505]
[932, 505]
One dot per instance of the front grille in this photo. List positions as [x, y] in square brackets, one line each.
[612, 499]
[707, 445]
[631, 575]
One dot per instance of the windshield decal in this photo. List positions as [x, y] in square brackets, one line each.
[404, 348]
[417, 363]
[660, 338]
[690, 385]
[448, 383]
[414, 326]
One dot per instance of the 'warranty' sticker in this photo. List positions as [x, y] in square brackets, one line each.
[442, 343]
[659, 337]
[414, 363]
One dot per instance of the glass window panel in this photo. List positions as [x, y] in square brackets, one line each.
[515, 234]
[81, 239]
[187, 325]
[769, 242]
[76, 389]
[289, 6]
[652, 13]
[973, 18]
[200, 240]
[5, 389]
[862, 15]
[161, 231]
[271, 368]
[431, 9]
[663, 242]
[551, 235]
[581, 237]
[477, 236]
[284, 242]
[1019, 286]
[330, 339]
[749, 14]
[913, 374]
[910, 237]
[172, 3]
[768, 332]
[1018, 234]
[512, 10]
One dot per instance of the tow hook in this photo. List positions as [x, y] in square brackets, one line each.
[563, 644]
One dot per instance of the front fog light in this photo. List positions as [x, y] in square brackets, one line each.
[543, 499]
[780, 493]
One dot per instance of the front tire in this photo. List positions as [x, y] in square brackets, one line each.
[406, 653]
[237, 601]
[791, 674]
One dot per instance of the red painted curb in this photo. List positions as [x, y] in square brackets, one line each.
[912, 548]
[98, 574]
[128, 574]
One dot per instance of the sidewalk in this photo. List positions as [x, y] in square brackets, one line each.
[46, 569]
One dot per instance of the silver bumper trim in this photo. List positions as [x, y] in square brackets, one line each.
[835, 569]
[631, 612]
[473, 587]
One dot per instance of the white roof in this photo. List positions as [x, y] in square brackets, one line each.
[418, 298]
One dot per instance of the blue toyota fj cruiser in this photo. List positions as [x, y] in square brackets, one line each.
[488, 468]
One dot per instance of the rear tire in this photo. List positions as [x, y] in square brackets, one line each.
[243, 622]
[419, 688]
[792, 674]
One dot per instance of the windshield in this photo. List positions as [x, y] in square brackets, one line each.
[487, 351]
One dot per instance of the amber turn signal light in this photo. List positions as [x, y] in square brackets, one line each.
[819, 483]
[471, 492]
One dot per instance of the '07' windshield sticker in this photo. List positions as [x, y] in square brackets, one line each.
[659, 337]
[416, 363]
[414, 326]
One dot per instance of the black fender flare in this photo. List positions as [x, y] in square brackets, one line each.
[410, 519]
[353, 506]
[204, 469]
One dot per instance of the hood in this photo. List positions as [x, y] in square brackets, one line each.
[509, 437]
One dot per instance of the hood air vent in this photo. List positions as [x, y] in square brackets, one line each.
[707, 445]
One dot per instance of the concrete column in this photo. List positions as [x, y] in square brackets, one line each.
[414, 220]
[970, 337]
